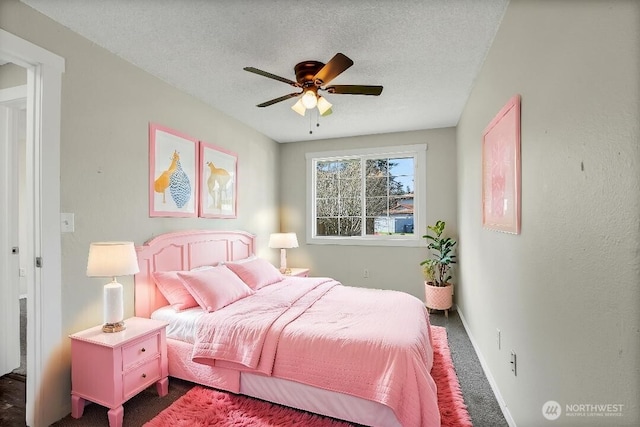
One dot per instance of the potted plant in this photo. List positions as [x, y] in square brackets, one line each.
[437, 268]
[429, 270]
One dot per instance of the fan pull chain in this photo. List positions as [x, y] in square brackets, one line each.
[317, 121]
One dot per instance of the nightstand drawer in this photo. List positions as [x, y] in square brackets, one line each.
[141, 377]
[140, 350]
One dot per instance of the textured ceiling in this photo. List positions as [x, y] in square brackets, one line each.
[426, 54]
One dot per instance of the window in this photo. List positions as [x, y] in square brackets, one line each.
[372, 196]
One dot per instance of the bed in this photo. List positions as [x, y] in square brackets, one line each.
[355, 354]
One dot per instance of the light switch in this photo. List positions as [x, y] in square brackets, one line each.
[67, 223]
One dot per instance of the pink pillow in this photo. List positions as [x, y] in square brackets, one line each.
[256, 273]
[214, 288]
[173, 289]
[241, 261]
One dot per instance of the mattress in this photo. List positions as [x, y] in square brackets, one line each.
[180, 334]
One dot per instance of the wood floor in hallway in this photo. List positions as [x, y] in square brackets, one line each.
[12, 400]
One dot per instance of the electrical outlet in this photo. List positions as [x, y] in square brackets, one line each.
[498, 338]
[365, 273]
[513, 363]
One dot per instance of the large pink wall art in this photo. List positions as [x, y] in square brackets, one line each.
[501, 170]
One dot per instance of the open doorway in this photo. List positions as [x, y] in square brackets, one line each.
[41, 219]
[14, 289]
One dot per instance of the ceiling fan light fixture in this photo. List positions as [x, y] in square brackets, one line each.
[326, 113]
[309, 99]
[324, 106]
[298, 107]
[312, 76]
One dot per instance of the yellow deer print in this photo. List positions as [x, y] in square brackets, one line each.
[217, 184]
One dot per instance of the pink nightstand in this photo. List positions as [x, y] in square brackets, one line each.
[111, 368]
[299, 272]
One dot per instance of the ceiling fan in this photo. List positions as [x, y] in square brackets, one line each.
[313, 76]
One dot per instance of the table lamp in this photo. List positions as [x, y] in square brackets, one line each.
[283, 241]
[112, 259]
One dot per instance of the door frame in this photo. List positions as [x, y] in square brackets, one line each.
[45, 365]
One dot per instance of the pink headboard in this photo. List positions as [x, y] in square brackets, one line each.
[184, 250]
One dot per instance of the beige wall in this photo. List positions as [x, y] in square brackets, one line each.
[107, 105]
[565, 291]
[12, 75]
[389, 267]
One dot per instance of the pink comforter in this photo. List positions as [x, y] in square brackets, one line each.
[369, 343]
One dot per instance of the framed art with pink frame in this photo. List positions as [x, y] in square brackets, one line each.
[218, 182]
[501, 170]
[173, 173]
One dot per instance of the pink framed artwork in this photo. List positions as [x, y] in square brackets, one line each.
[218, 182]
[501, 170]
[173, 173]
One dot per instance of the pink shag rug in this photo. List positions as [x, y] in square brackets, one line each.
[453, 411]
[203, 407]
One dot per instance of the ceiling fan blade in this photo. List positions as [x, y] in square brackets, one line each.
[355, 90]
[276, 100]
[331, 69]
[271, 76]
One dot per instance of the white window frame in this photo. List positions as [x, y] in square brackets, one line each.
[418, 151]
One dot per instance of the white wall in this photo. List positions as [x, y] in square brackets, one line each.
[565, 291]
[389, 267]
[107, 105]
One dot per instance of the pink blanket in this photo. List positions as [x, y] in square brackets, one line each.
[369, 343]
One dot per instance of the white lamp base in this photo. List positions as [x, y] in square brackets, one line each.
[113, 307]
[283, 261]
[114, 327]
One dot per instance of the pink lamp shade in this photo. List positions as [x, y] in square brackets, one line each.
[112, 259]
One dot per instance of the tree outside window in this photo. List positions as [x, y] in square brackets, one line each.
[375, 191]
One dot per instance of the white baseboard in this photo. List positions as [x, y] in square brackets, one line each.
[487, 372]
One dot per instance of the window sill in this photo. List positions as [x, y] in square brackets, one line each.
[363, 241]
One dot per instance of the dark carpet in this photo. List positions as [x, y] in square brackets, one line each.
[22, 369]
[478, 396]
